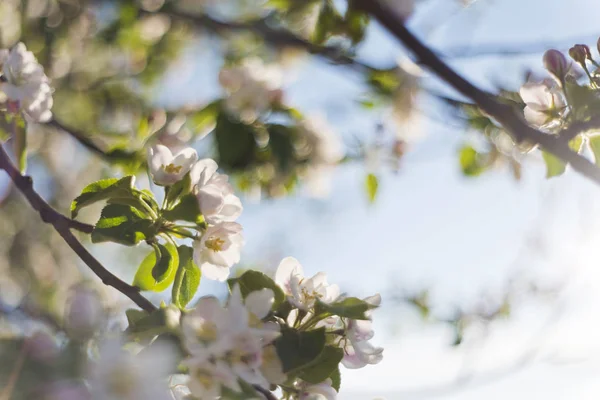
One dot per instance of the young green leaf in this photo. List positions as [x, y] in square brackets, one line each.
[336, 379]
[187, 209]
[20, 142]
[595, 146]
[235, 142]
[157, 275]
[554, 165]
[122, 224]
[102, 190]
[371, 185]
[205, 118]
[179, 188]
[298, 349]
[251, 281]
[187, 279]
[323, 366]
[350, 307]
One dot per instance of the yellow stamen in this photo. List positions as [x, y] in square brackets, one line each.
[172, 169]
[215, 244]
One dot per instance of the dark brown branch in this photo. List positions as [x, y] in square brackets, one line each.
[63, 226]
[88, 143]
[268, 395]
[579, 127]
[276, 36]
[506, 115]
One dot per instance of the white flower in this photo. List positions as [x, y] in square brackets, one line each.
[167, 168]
[121, 375]
[85, 313]
[252, 88]
[272, 368]
[227, 343]
[358, 351]
[325, 144]
[26, 83]
[219, 249]
[320, 391]
[325, 150]
[544, 102]
[303, 292]
[215, 195]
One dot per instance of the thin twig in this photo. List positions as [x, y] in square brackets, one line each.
[504, 114]
[63, 225]
[268, 395]
[88, 143]
[276, 36]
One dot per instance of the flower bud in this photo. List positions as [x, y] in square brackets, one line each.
[42, 347]
[580, 52]
[84, 314]
[556, 63]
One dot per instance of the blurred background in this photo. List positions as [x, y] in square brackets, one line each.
[488, 271]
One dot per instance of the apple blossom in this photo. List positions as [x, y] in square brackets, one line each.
[544, 102]
[319, 391]
[358, 351]
[167, 168]
[219, 249]
[303, 292]
[226, 343]
[121, 375]
[215, 195]
[252, 88]
[26, 84]
[84, 313]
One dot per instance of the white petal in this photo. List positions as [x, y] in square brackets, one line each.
[260, 302]
[288, 267]
[202, 170]
[215, 272]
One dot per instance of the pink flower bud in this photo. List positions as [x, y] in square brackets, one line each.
[580, 52]
[556, 63]
[84, 314]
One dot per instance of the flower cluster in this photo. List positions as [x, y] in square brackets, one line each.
[220, 244]
[226, 344]
[24, 84]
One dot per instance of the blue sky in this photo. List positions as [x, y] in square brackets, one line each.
[433, 228]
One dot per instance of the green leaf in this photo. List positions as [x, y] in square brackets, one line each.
[350, 307]
[336, 379]
[133, 315]
[251, 281]
[384, 81]
[323, 366]
[187, 209]
[235, 143]
[122, 224]
[102, 190]
[158, 275]
[280, 142]
[554, 165]
[190, 279]
[371, 185]
[149, 325]
[356, 22]
[180, 188]
[595, 146]
[471, 162]
[297, 349]
[206, 117]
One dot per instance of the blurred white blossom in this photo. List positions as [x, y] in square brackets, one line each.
[167, 168]
[25, 83]
[121, 375]
[84, 314]
[252, 88]
[219, 249]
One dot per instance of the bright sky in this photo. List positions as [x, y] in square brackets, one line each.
[432, 228]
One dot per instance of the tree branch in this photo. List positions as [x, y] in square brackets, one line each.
[275, 36]
[84, 139]
[62, 225]
[268, 395]
[506, 115]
